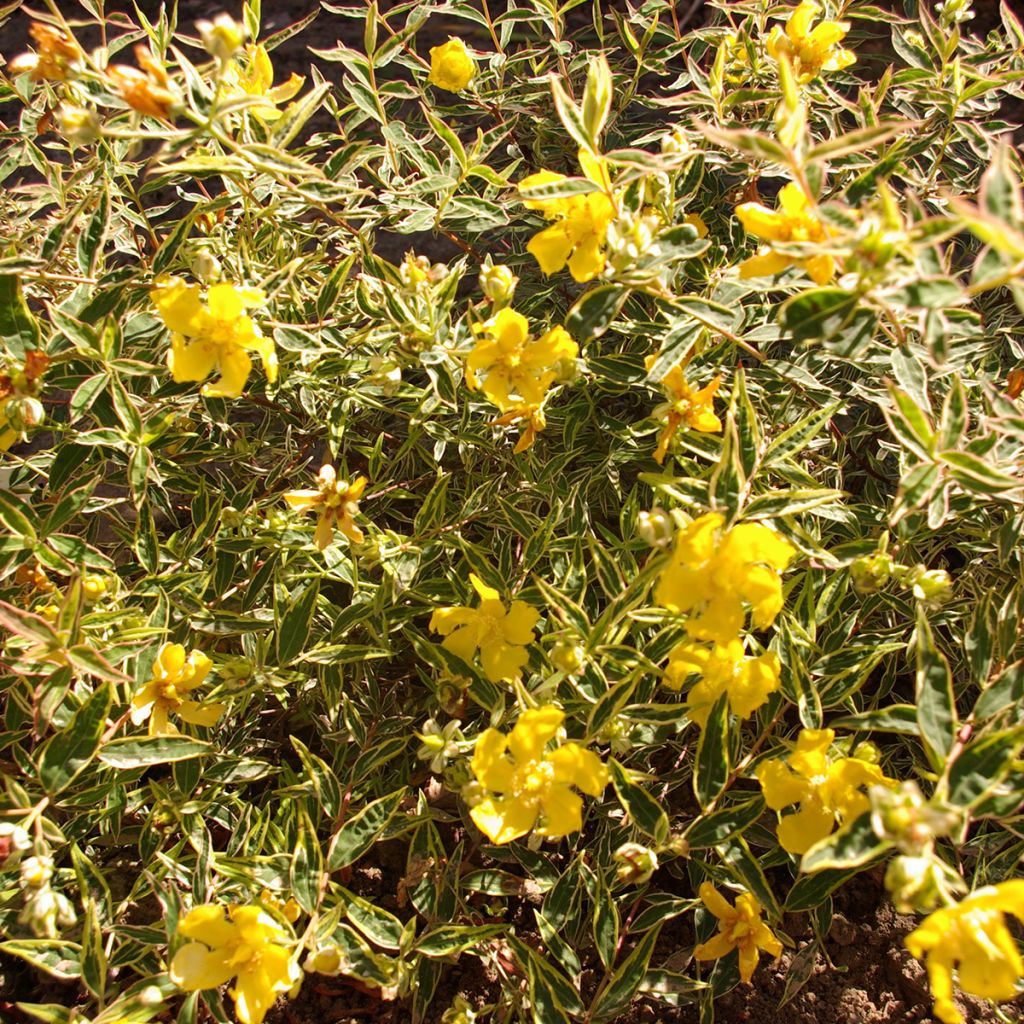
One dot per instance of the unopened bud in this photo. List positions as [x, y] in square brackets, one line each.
[567, 658]
[634, 863]
[931, 586]
[326, 959]
[79, 126]
[871, 572]
[14, 841]
[498, 283]
[206, 266]
[656, 527]
[222, 38]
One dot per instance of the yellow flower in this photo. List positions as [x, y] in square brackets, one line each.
[684, 405]
[713, 574]
[336, 501]
[256, 79]
[532, 416]
[149, 91]
[577, 236]
[248, 945]
[794, 221]
[512, 370]
[971, 940]
[451, 66]
[828, 791]
[215, 336]
[533, 781]
[288, 909]
[810, 50]
[739, 928]
[174, 677]
[500, 635]
[55, 58]
[723, 668]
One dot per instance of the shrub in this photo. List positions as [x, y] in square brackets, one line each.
[642, 549]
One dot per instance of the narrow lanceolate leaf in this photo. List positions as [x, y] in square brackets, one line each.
[294, 620]
[19, 329]
[858, 141]
[711, 767]
[143, 751]
[307, 866]
[65, 756]
[360, 832]
[936, 708]
[626, 980]
[644, 811]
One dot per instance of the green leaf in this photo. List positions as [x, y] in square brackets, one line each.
[362, 830]
[59, 959]
[570, 116]
[627, 979]
[19, 329]
[67, 754]
[898, 718]
[644, 811]
[711, 765]
[721, 825]
[857, 141]
[811, 891]
[293, 622]
[851, 847]
[751, 144]
[977, 475]
[818, 313]
[593, 312]
[450, 939]
[936, 707]
[307, 865]
[983, 765]
[142, 751]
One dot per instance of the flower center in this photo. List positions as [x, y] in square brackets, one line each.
[532, 781]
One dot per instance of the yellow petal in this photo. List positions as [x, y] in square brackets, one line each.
[485, 592]
[302, 501]
[780, 785]
[715, 948]
[765, 264]
[532, 732]
[502, 661]
[520, 623]
[503, 819]
[235, 365]
[797, 833]
[563, 812]
[179, 306]
[200, 714]
[761, 222]
[195, 968]
[207, 924]
[588, 259]
[715, 902]
[492, 768]
[190, 360]
[551, 248]
[579, 767]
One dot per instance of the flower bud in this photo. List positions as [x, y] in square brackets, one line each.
[498, 282]
[386, 374]
[634, 863]
[567, 658]
[14, 841]
[79, 126]
[675, 143]
[871, 572]
[36, 872]
[473, 793]
[222, 38]
[656, 527]
[93, 588]
[931, 586]
[206, 266]
[326, 959]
